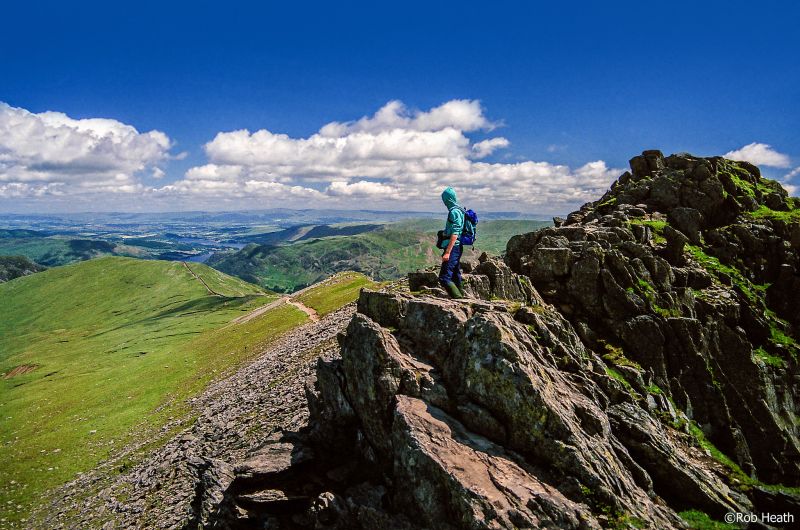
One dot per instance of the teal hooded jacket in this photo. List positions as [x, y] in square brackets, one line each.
[455, 215]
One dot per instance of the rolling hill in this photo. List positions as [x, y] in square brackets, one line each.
[51, 251]
[101, 352]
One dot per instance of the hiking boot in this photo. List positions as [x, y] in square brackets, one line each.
[453, 290]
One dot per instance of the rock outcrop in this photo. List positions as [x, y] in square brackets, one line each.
[12, 267]
[634, 361]
[489, 279]
[685, 267]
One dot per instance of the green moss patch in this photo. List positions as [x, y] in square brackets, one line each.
[698, 520]
[616, 356]
[656, 226]
[768, 358]
[619, 377]
[714, 266]
[791, 216]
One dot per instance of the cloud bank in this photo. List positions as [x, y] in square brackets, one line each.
[50, 154]
[396, 156]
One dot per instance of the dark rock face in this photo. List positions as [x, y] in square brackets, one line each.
[681, 292]
[481, 420]
[475, 414]
[16, 266]
[489, 279]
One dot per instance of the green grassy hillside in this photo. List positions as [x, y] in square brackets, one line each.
[52, 251]
[334, 292]
[383, 252]
[89, 351]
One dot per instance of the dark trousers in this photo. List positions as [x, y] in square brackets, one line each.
[451, 269]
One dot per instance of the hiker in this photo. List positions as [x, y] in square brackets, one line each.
[450, 273]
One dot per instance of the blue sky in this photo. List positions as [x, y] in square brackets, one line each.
[567, 85]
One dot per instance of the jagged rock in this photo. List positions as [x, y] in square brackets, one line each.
[489, 279]
[215, 478]
[783, 295]
[477, 286]
[503, 283]
[418, 280]
[468, 264]
[677, 478]
[458, 479]
[776, 502]
[495, 417]
[550, 263]
[688, 221]
[693, 317]
[275, 458]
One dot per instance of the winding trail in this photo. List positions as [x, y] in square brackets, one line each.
[259, 311]
[310, 311]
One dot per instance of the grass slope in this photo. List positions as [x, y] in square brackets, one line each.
[108, 341]
[384, 252]
[52, 251]
[335, 292]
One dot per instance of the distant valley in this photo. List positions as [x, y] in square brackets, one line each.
[280, 250]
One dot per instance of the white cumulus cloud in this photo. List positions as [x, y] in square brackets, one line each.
[461, 114]
[793, 173]
[760, 155]
[50, 153]
[395, 155]
[362, 188]
[395, 158]
[487, 147]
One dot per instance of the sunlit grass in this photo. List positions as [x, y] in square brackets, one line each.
[113, 340]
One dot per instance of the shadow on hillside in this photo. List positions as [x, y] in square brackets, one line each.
[207, 304]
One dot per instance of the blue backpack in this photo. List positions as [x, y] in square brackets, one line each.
[470, 232]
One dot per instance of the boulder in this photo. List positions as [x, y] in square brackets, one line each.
[687, 220]
[458, 479]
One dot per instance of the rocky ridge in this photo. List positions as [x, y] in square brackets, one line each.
[686, 269]
[634, 361]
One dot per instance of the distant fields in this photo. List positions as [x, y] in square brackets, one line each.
[281, 259]
[383, 252]
[102, 344]
[53, 251]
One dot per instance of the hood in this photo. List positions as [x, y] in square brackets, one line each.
[449, 198]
